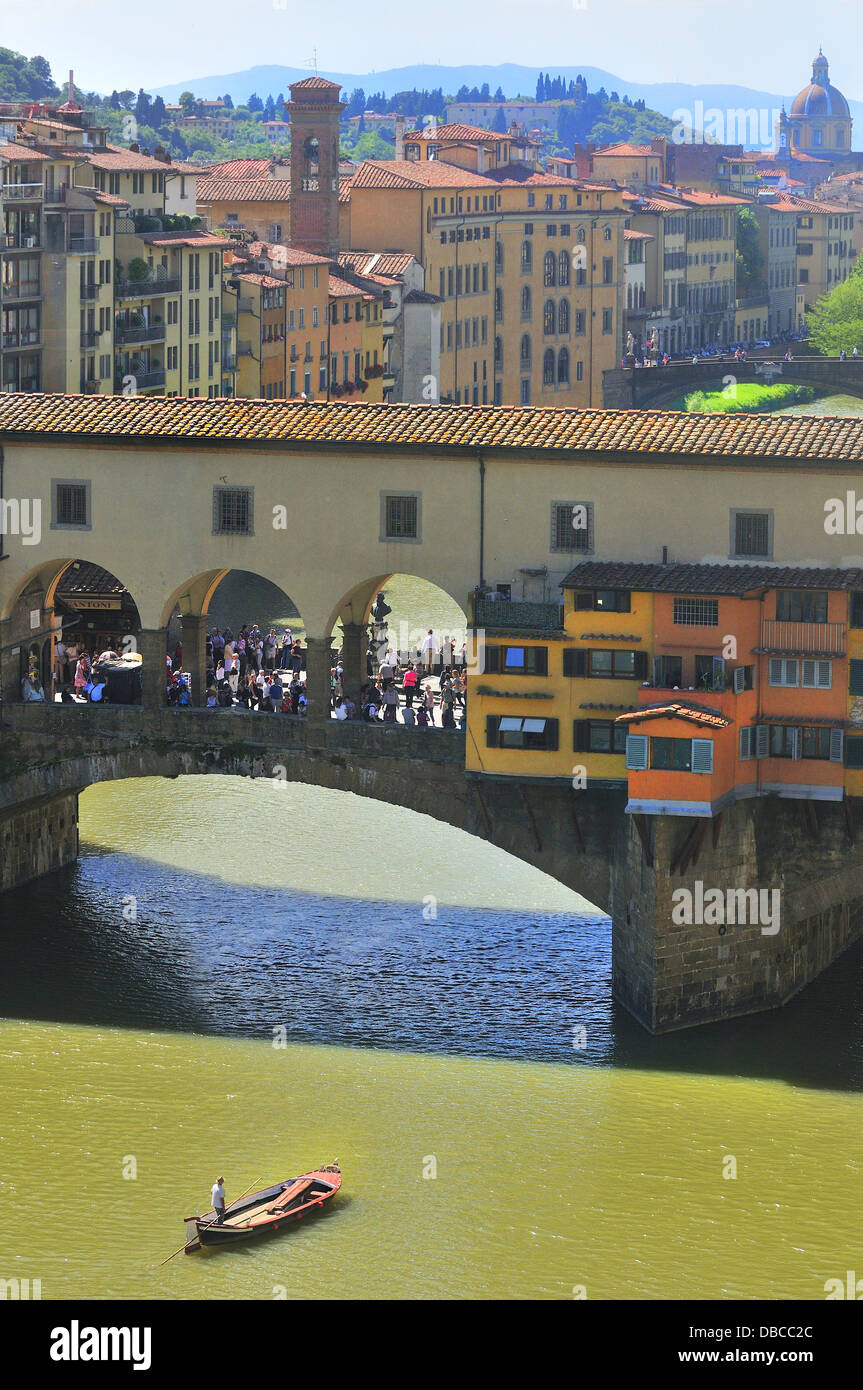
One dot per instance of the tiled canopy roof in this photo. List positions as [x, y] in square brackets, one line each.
[676, 709]
[649, 436]
[734, 580]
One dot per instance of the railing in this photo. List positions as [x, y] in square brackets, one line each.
[134, 289]
[827, 639]
[31, 290]
[57, 194]
[83, 246]
[152, 333]
[88, 291]
[90, 339]
[500, 613]
[21, 192]
[21, 241]
[29, 337]
[143, 380]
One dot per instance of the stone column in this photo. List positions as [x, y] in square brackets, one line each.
[153, 648]
[194, 639]
[354, 645]
[319, 663]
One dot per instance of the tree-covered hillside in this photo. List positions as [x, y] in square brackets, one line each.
[25, 79]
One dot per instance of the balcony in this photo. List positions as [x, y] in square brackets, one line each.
[21, 241]
[803, 639]
[27, 338]
[143, 381]
[89, 291]
[29, 289]
[83, 246]
[21, 192]
[90, 339]
[501, 614]
[137, 289]
[245, 305]
[151, 333]
[56, 194]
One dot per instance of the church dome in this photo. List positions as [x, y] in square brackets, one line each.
[820, 98]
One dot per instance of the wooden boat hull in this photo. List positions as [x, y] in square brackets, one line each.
[265, 1212]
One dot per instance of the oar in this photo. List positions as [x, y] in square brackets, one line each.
[230, 1204]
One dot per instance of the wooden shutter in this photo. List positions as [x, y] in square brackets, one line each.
[551, 734]
[584, 600]
[574, 661]
[636, 752]
[739, 681]
[702, 755]
[540, 661]
[580, 735]
[744, 751]
[796, 741]
[855, 677]
[809, 674]
[491, 663]
[837, 740]
[491, 723]
[718, 673]
[776, 670]
[762, 740]
[641, 666]
[824, 675]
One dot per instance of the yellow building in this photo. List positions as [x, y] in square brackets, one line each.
[261, 336]
[825, 247]
[355, 328]
[259, 208]
[303, 277]
[633, 166]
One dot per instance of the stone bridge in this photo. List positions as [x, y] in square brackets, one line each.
[631, 388]
[669, 976]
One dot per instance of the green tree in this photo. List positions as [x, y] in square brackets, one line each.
[499, 122]
[187, 101]
[836, 321]
[748, 258]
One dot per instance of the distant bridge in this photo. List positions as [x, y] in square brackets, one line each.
[639, 388]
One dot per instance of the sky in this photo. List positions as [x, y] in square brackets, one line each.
[768, 45]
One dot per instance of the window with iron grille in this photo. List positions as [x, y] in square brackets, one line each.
[572, 527]
[233, 511]
[751, 533]
[696, 612]
[400, 520]
[71, 504]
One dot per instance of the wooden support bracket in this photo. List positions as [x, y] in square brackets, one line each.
[529, 809]
[691, 847]
[643, 828]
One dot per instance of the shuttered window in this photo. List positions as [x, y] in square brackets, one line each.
[516, 661]
[514, 731]
[784, 671]
[817, 675]
[855, 677]
[853, 751]
[636, 752]
[598, 736]
[702, 755]
[752, 533]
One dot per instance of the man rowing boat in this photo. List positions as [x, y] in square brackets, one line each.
[217, 1194]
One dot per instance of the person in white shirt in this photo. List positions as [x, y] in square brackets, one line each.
[217, 1194]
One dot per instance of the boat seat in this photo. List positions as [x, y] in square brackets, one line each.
[290, 1194]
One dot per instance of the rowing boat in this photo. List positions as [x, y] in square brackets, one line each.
[264, 1211]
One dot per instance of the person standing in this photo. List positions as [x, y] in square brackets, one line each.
[428, 653]
[217, 1196]
[409, 685]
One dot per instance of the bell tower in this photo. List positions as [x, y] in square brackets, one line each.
[313, 112]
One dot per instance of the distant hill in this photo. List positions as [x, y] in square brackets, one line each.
[665, 97]
[25, 79]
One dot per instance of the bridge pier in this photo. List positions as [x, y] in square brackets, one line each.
[786, 908]
[37, 838]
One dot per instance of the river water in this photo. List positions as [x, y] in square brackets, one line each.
[247, 979]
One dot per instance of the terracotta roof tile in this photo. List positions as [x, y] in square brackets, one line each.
[572, 434]
[255, 190]
[417, 173]
[676, 709]
[734, 580]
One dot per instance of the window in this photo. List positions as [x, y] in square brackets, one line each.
[563, 316]
[671, 754]
[816, 743]
[783, 671]
[854, 751]
[603, 600]
[608, 270]
[233, 511]
[525, 351]
[400, 517]
[516, 661]
[549, 269]
[508, 731]
[71, 504]
[752, 533]
[571, 526]
[604, 665]
[526, 307]
[668, 672]
[563, 367]
[549, 317]
[607, 320]
[563, 268]
[806, 607]
[526, 255]
[598, 736]
[816, 675]
[696, 612]
[548, 367]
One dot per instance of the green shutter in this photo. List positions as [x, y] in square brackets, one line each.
[491, 723]
[636, 752]
[574, 661]
[551, 734]
[855, 677]
[581, 735]
[491, 661]
[641, 666]
[854, 751]
[702, 755]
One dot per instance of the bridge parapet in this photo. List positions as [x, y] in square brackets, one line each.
[632, 388]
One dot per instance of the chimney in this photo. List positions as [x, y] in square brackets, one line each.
[400, 137]
[134, 148]
[159, 152]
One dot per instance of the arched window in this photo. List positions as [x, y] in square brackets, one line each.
[549, 276]
[580, 235]
[498, 353]
[548, 367]
[526, 304]
[642, 298]
[607, 233]
[563, 367]
[563, 316]
[498, 255]
[525, 350]
[548, 316]
[526, 255]
[563, 268]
